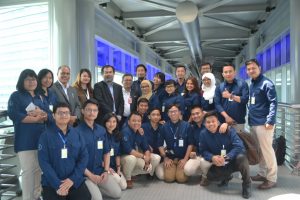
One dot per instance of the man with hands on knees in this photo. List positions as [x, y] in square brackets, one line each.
[98, 179]
[63, 158]
[178, 138]
[136, 156]
[223, 154]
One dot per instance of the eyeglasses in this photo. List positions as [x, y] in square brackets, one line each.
[30, 79]
[65, 74]
[61, 113]
[91, 110]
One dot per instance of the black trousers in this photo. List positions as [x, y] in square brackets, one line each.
[81, 193]
[240, 164]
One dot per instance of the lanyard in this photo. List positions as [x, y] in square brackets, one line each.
[87, 94]
[62, 139]
[175, 134]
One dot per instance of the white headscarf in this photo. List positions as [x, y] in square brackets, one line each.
[209, 92]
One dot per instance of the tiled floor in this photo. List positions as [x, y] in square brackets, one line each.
[288, 188]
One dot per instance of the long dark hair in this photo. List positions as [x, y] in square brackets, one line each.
[195, 83]
[42, 73]
[116, 133]
[77, 83]
[24, 74]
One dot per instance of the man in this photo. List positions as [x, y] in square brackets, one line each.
[137, 158]
[127, 96]
[180, 82]
[141, 73]
[262, 119]
[223, 154]
[176, 134]
[98, 180]
[231, 98]
[66, 93]
[206, 68]
[63, 158]
[142, 109]
[109, 94]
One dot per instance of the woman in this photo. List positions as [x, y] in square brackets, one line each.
[45, 81]
[191, 96]
[114, 138]
[83, 85]
[29, 113]
[208, 92]
[159, 82]
[146, 88]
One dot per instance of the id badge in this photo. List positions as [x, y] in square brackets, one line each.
[112, 152]
[252, 100]
[180, 143]
[182, 94]
[230, 99]
[163, 109]
[129, 100]
[64, 153]
[100, 144]
[51, 108]
[223, 152]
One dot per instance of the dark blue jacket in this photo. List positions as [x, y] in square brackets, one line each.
[169, 100]
[26, 134]
[172, 134]
[212, 143]
[154, 102]
[51, 98]
[190, 100]
[180, 88]
[235, 110]
[93, 138]
[131, 141]
[206, 106]
[55, 169]
[196, 131]
[152, 136]
[265, 107]
[160, 91]
[115, 146]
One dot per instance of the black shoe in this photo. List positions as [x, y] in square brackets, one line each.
[149, 177]
[246, 192]
[225, 181]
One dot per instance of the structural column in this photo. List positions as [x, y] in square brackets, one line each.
[63, 35]
[295, 50]
[252, 45]
[86, 35]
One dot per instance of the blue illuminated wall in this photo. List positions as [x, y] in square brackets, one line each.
[275, 55]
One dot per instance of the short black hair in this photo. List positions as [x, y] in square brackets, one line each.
[141, 65]
[210, 114]
[134, 113]
[228, 64]
[107, 66]
[180, 66]
[61, 105]
[173, 105]
[250, 61]
[170, 82]
[42, 73]
[126, 75]
[153, 109]
[91, 101]
[142, 100]
[210, 66]
[196, 106]
[161, 76]
[24, 74]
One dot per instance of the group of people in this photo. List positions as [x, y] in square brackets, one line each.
[80, 142]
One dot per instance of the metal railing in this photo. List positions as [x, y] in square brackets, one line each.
[8, 179]
[288, 125]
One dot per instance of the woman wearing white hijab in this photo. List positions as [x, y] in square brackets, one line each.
[208, 92]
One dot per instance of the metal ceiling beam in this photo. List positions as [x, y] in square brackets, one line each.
[159, 5]
[176, 50]
[226, 23]
[161, 26]
[203, 40]
[147, 14]
[220, 48]
[213, 6]
[166, 41]
[241, 9]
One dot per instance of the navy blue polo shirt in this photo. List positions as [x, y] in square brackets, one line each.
[114, 144]
[26, 134]
[190, 100]
[206, 106]
[168, 100]
[97, 145]
[172, 134]
[263, 109]
[54, 167]
[180, 88]
[196, 131]
[212, 143]
[235, 110]
[131, 141]
[152, 136]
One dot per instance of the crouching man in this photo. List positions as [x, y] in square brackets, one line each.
[223, 154]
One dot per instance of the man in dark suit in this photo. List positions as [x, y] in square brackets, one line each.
[66, 93]
[109, 94]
